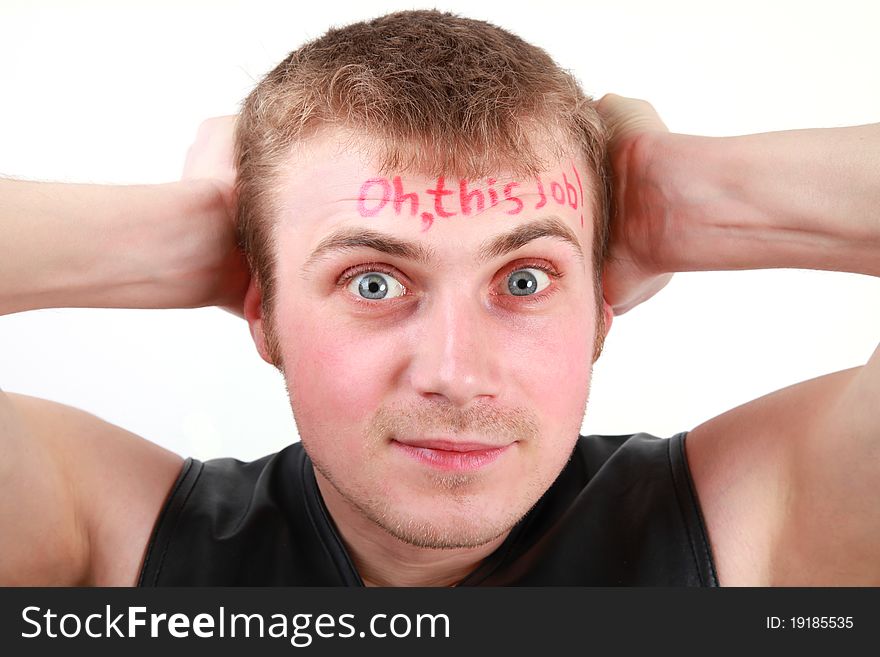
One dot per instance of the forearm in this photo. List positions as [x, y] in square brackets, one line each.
[67, 245]
[804, 199]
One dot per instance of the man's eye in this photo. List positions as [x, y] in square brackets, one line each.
[527, 281]
[376, 285]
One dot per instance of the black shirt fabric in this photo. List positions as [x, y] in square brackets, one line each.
[623, 512]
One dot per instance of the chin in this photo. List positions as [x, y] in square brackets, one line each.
[444, 530]
[453, 513]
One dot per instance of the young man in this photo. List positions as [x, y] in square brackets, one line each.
[424, 203]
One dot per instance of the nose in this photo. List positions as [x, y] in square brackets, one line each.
[457, 356]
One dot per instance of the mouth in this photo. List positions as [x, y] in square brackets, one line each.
[451, 455]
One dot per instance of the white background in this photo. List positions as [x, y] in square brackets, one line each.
[113, 92]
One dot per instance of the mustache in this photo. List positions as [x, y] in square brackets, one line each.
[443, 418]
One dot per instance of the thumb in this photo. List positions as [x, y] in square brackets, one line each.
[625, 117]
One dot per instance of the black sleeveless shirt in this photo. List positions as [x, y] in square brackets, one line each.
[623, 512]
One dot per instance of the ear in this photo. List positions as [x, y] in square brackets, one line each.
[253, 313]
[608, 313]
[603, 327]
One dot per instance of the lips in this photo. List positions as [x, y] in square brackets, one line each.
[451, 455]
[450, 445]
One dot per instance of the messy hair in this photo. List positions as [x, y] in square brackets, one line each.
[438, 94]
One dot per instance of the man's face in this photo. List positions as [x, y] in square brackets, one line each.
[436, 338]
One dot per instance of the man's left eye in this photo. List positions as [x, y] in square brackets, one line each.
[527, 281]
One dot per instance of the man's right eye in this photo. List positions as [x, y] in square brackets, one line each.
[375, 285]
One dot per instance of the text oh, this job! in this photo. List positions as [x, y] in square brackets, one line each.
[468, 198]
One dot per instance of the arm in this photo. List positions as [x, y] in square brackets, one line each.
[148, 246]
[787, 482]
[801, 198]
[79, 496]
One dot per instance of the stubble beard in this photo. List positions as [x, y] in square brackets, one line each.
[463, 530]
[463, 527]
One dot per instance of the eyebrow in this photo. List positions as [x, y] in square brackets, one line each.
[521, 235]
[355, 238]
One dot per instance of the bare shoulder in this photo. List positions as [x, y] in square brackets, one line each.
[757, 470]
[115, 484]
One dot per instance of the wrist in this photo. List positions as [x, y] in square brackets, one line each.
[682, 195]
[181, 241]
[708, 211]
[656, 199]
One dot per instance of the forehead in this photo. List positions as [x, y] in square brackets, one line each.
[331, 183]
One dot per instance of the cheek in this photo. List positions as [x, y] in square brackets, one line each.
[335, 374]
[554, 367]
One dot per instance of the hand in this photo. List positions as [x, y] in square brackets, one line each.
[211, 156]
[632, 273]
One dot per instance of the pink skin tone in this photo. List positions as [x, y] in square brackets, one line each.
[449, 354]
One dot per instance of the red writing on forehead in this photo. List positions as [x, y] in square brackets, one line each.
[581, 189]
[467, 198]
[373, 206]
